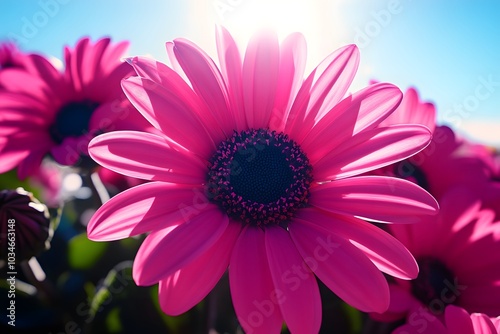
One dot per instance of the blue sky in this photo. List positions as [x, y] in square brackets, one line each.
[449, 50]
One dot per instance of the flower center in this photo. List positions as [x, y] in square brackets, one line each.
[259, 177]
[72, 120]
[433, 282]
[408, 171]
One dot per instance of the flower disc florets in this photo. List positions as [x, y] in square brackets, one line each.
[259, 177]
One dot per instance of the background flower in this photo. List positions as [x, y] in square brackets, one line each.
[59, 113]
[450, 253]
[455, 320]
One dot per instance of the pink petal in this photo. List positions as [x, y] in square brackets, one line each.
[18, 106]
[206, 80]
[496, 322]
[260, 78]
[341, 266]
[24, 83]
[482, 324]
[16, 148]
[413, 111]
[188, 286]
[401, 302]
[114, 52]
[376, 198]
[231, 70]
[165, 251]
[361, 111]
[44, 69]
[291, 72]
[174, 62]
[385, 251]
[170, 113]
[458, 320]
[255, 299]
[32, 163]
[93, 57]
[161, 73]
[322, 90]
[147, 207]
[73, 60]
[300, 303]
[70, 151]
[370, 150]
[146, 156]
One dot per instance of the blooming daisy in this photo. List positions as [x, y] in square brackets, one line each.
[456, 320]
[256, 170]
[458, 254]
[46, 111]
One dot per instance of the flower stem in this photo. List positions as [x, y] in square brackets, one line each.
[99, 191]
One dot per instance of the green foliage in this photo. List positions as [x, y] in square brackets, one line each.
[83, 253]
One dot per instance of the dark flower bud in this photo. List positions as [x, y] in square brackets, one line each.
[25, 228]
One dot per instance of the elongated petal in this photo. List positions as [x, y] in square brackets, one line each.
[402, 302]
[370, 150]
[301, 302]
[413, 111]
[17, 147]
[170, 113]
[156, 71]
[482, 324]
[254, 297]
[144, 208]
[22, 82]
[231, 69]
[291, 72]
[146, 156]
[376, 198]
[206, 80]
[385, 251]
[165, 251]
[322, 90]
[342, 267]
[361, 111]
[260, 78]
[188, 286]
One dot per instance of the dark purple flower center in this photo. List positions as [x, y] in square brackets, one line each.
[6, 64]
[72, 120]
[259, 177]
[434, 285]
[408, 171]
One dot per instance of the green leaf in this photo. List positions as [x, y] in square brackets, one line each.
[84, 253]
[354, 316]
[113, 322]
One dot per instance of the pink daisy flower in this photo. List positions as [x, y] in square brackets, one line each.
[447, 161]
[456, 320]
[256, 171]
[47, 111]
[458, 256]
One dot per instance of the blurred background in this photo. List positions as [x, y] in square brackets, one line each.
[448, 50]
